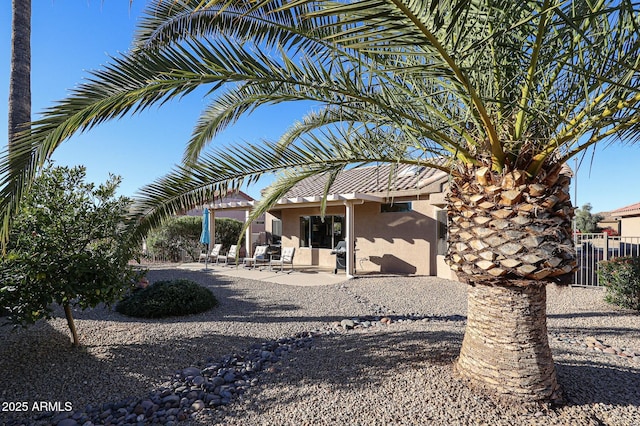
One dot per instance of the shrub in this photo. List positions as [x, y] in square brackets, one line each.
[182, 234]
[227, 231]
[176, 235]
[168, 298]
[622, 278]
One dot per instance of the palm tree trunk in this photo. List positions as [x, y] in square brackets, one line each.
[20, 76]
[505, 346]
[508, 238]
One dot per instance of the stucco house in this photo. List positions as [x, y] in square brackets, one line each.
[629, 220]
[391, 217]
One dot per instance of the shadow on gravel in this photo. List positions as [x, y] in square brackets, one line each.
[594, 381]
[361, 360]
[605, 314]
[602, 332]
[233, 305]
[80, 375]
[354, 362]
[71, 373]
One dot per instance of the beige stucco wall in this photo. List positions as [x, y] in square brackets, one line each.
[396, 242]
[613, 224]
[443, 270]
[385, 242]
[630, 226]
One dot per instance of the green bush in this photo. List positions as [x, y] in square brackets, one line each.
[168, 298]
[227, 232]
[622, 278]
[182, 234]
[175, 236]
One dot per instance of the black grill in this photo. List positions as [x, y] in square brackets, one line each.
[340, 251]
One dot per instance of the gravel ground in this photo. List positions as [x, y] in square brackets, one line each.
[397, 374]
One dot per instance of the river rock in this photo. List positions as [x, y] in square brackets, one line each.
[347, 324]
[191, 371]
[197, 405]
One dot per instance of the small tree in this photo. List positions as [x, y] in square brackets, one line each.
[68, 245]
[585, 221]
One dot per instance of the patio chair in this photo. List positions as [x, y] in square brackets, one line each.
[285, 258]
[230, 256]
[259, 256]
[211, 255]
[215, 252]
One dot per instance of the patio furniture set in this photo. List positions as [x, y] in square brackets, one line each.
[260, 257]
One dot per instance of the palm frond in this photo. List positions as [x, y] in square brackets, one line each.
[225, 169]
[267, 24]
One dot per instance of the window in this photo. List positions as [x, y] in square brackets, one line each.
[442, 232]
[395, 207]
[276, 231]
[314, 232]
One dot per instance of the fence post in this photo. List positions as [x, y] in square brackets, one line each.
[606, 246]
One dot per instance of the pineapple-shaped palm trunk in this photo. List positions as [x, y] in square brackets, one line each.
[509, 236]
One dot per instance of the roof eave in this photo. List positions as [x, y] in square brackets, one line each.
[626, 213]
[232, 205]
[332, 199]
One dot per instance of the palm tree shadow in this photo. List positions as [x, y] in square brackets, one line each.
[357, 361]
[604, 314]
[599, 382]
[237, 305]
[341, 362]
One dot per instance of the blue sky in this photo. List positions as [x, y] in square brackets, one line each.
[71, 37]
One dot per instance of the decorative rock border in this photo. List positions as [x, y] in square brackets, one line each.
[373, 322]
[597, 345]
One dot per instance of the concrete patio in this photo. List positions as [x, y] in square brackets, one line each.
[300, 276]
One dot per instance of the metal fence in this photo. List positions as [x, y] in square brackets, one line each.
[152, 257]
[593, 248]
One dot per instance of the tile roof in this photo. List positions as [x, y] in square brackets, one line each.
[373, 179]
[633, 208]
[235, 199]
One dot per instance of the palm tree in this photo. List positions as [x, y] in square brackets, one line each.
[499, 94]
[20, 75]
